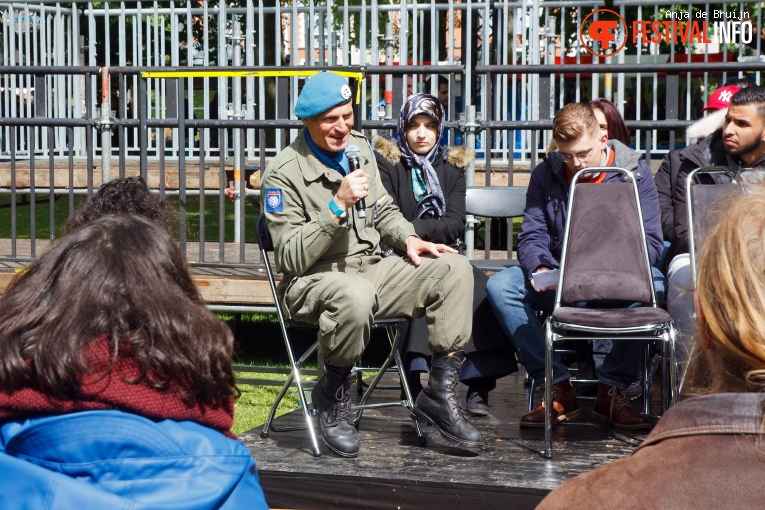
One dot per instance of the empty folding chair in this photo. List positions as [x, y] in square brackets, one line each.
[607, 263]
[706, 190]
[703, 200]
[495, 202]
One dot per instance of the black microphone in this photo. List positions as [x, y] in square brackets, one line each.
[352, 153]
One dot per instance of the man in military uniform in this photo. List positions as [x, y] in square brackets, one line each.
[335, 277]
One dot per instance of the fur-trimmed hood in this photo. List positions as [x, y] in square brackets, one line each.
[459, 157]
[705, 126]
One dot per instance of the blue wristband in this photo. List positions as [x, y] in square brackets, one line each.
[336, 209]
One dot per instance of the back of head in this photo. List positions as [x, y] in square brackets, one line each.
[573, 122]
[742, 83]
[122, 278]
[751, 95]
[122, 196]
[731, 299]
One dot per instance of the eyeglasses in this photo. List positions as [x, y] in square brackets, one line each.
[582, 156]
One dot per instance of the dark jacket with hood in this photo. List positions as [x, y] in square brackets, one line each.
[541, 239]
[666, 176]
[707, 152]
[450, 169]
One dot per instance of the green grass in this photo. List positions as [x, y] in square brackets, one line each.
[498, 234]
[253, 406]
[42, 215]
[212, 222]
[62, 212]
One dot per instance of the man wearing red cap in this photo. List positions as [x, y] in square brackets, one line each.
[666, 176]
[739, 144]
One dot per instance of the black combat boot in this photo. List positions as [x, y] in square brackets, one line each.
[439, 404]
[332, 400]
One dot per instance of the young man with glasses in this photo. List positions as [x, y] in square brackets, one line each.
[516, 299]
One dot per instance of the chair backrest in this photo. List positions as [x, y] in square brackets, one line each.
[605, 252]
[495, 201]
[264, 238]
[707, 191]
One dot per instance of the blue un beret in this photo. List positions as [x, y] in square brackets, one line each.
[321, 92]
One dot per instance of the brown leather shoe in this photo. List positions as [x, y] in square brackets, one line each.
[613, 406]
[564, 407]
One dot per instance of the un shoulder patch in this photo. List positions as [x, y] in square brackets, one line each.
[274, 201]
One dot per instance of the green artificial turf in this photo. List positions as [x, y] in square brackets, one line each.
[62, 211]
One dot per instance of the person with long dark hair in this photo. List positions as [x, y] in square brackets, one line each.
[116, 385]
[610, 120]
[427, 183]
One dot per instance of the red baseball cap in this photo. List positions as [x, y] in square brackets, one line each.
[720, 98]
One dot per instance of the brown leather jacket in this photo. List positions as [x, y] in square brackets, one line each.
[702, 454]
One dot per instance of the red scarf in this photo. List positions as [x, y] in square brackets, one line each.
[597, 179]
[102, 389]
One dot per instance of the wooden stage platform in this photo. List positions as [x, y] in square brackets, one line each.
[393, 471]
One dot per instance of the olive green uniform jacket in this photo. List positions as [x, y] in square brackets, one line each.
[306, 238]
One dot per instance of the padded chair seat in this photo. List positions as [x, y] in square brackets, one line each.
[611, 317]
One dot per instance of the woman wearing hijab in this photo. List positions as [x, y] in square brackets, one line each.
[427, 183]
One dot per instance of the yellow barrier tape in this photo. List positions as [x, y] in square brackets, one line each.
[246, 74]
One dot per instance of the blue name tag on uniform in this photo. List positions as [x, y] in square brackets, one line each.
[274, 201]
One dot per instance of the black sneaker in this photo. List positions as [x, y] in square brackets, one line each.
[477, 402]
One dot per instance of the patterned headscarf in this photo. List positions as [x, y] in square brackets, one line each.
[422, 104]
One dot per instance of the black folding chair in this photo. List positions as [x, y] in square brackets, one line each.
[707, 189]
[495, 202]
[392, 327]
[703, 199]
[605, 258]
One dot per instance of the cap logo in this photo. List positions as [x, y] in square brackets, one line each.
[345, 91]
[725, 96]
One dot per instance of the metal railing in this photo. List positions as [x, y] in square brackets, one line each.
[467, 34]
[197, 136]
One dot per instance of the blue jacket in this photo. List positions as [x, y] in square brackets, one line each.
[540, 241]
[116, 460]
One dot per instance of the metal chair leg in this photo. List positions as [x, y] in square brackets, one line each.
[532, 387]
[307, 413]
[409, 402]
[647, 379]
[672, 365]
[394, 358]
[548, 388]
[684, 370]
